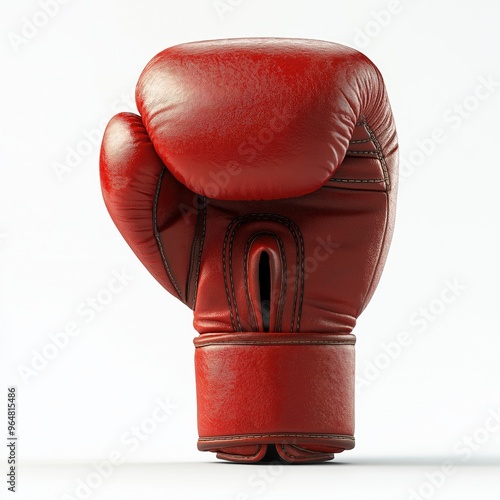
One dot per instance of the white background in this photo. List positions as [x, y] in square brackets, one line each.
[429, 400]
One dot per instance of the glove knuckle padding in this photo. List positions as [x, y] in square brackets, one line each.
[258, 185]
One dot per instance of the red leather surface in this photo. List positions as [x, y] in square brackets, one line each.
[294, 103]
[292, 242]
[299, 388]
[332, 249]
[131, 175]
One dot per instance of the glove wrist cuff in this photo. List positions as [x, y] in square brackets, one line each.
[289, 389]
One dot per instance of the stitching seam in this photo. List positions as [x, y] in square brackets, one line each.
[284, 434]
[200, 251]
[277, 342]
[294, 230]
[360, 141]
[253, 316]
[157, 233]
[281, 298]
[380, 155]
[374, 154]
[352, 152]
[375, 181]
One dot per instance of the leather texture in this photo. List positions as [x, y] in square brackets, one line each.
[258, 186]
[300, 409]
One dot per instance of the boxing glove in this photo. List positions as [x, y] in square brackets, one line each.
[258, 186]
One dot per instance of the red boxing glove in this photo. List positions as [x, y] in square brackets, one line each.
[258, 186]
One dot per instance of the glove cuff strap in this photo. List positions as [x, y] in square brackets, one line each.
[286, 389]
